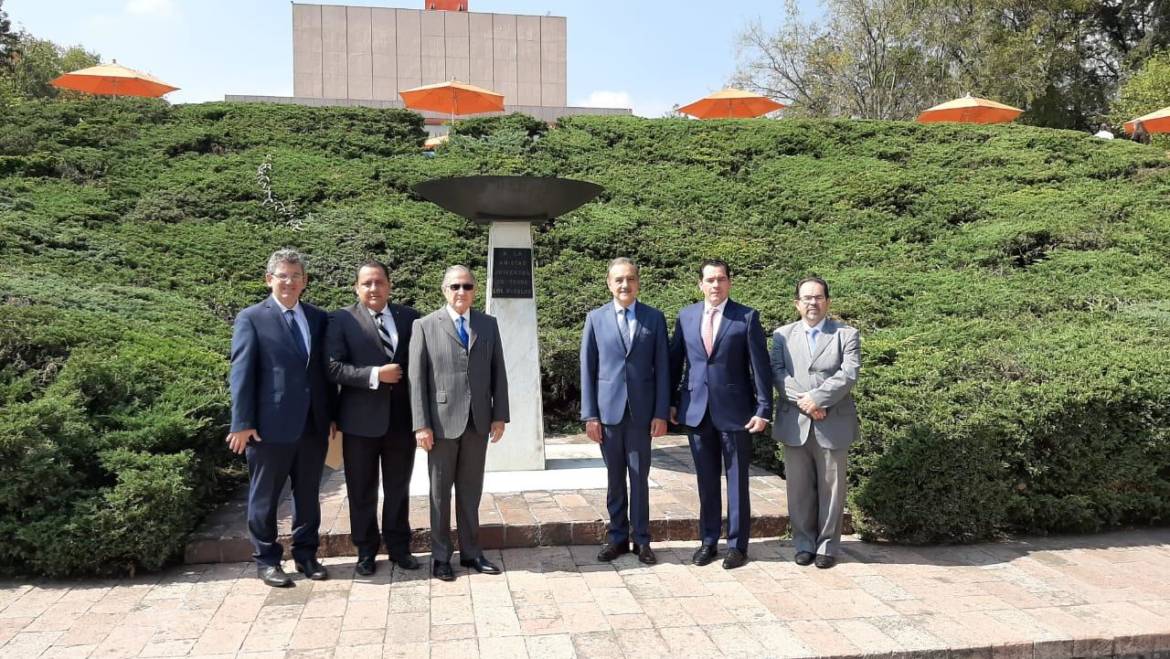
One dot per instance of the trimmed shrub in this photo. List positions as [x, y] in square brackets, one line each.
[1009, 281]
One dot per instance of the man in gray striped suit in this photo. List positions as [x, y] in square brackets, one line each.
[459, 399]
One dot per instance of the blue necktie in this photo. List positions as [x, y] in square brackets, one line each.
[812, 341]
[298, 338]
[624, 327]
[464, 338]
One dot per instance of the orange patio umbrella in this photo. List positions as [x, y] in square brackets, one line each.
[970, 110]
[731, 103]
[453, 98]
[113, 80]
[1156, 122]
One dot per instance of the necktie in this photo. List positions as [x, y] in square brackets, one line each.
[464, 338]
[624, 328]
[384, 334]
[709, 330]
[812, 341]
[298, 338]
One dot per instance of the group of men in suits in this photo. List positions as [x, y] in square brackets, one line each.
[392, 381]
[389, 381]
[715, 377]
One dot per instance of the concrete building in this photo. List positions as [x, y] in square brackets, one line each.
[345, 55]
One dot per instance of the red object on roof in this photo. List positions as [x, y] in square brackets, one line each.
[446, 5]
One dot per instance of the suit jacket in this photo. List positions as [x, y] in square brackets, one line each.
[612, 378]
[828, 376]
[354, 349]
[449, 384]
[272, 388]
[735, 382]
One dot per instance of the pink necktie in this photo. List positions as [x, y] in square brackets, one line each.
[709, 330]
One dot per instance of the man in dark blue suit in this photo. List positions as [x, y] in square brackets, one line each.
[282, 410]
[719, 362]
[625, 393]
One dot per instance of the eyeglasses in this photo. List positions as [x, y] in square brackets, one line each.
[285, 278]
[466, 287]
[809, 299]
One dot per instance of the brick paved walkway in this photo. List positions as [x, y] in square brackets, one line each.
[516, 519]
[1044, 598]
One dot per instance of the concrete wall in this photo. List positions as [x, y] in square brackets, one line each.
[369, 53]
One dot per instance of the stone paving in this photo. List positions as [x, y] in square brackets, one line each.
[516, 519]
[1032, 598]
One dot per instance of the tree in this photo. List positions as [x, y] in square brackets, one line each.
[35, 63]
[1145, 91]
[8, 40]
[863, 61]
[1061, 60]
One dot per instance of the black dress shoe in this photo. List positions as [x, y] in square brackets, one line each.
[274, 576]
[825, 562]
[313, 570]
[481, 565]
[804, 558]
[365, 566]
[442, 571]
[735, 558]
[705, 554]
[405, 561]
[612, 550]
[645, 554]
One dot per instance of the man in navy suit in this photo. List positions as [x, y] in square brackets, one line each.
[368, 344]
[625, 395]
[719, 360]
[282, 410]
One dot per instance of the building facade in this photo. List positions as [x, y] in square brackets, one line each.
[371, 53]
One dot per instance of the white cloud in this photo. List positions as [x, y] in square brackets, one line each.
[162, 8]
[607, 99]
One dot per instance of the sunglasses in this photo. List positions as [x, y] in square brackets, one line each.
[466, 287]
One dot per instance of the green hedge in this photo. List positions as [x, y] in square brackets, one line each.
[1010, 283]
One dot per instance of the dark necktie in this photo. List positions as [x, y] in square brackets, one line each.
[298, 338]
[384, 335]
[464, 337]
[624, 328]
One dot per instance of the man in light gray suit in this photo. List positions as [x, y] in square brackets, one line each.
[815, 362]
[458, 398]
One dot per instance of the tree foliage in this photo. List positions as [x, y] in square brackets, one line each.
[1060, 60]
[34, 62]
[1145, 91]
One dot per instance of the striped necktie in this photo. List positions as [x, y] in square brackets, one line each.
[384, 335]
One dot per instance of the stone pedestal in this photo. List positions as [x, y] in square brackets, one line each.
[522, 447]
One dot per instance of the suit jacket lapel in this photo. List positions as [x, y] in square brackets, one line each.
[640, 322]
[476, 326]
[828, 333]
[403, 327]
[448, 326]
[368, 324]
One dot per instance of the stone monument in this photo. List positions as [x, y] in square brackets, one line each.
[509, 205]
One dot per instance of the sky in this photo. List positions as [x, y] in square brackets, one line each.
[643, 54]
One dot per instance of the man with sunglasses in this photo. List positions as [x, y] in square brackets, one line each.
[282, 410]
[459, 400]
[815, 362]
